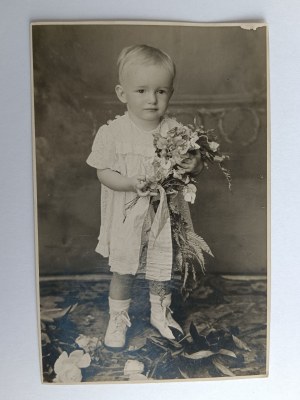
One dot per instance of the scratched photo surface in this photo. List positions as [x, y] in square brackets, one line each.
[220, 89]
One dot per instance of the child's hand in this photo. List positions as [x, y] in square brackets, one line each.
[192, 164]
[138, 184]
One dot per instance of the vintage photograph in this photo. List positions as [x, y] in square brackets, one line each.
[151, 167]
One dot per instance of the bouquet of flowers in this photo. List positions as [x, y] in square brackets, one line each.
[172, 147]
[176, 145]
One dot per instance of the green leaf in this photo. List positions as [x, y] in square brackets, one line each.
[221, 367]
[49, 315]
[240, 344]
[228, 353]
[184, 374]
[199, 355]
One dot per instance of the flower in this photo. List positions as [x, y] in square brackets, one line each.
[214, 146]
[178, 173]
[164, 132]
[193, 143]
[166, 164]
[171, 148]
[184, 148]
[88, 344]
[219, 158]
[189, 193]
[69, 374]
[67, 368]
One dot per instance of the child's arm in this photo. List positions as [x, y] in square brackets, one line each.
[113, 180]
[193, 164]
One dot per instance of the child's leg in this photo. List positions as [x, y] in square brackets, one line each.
[161, 314]
[160, 288]
[120, 286]
[119, 301]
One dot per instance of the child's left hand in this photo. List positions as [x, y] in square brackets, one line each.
[192, 164]
[141, 187]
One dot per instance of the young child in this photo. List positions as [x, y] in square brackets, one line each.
[122, 151]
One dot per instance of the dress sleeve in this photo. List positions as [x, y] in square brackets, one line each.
[103, 153]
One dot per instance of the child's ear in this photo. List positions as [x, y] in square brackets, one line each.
[121, 94]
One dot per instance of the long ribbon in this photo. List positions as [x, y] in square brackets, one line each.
[126, 241]
[160, 251]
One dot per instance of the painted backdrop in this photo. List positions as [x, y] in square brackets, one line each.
[221, 78]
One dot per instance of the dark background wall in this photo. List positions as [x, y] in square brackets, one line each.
[221, 78]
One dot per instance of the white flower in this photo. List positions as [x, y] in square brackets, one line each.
[88, 344]
[194, 145]
[189, 193]
[164, 131]
[187, 179]
[178, 173]
[193, 141]
[166, 164]
[67, 368]
[184, 148]
[214, 146]
[220, 158]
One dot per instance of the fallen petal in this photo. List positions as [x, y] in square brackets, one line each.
[76, 356]
[85, 361]
[62, 359]
[133, 367]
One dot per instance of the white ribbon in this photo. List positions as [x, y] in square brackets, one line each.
[126, 241]
[160, 251]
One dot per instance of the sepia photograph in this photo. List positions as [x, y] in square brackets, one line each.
[151, 182]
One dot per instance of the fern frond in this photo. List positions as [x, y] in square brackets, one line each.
[200, 258]
[197, 242]
[186, 274]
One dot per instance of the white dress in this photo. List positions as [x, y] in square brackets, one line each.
[123, 147]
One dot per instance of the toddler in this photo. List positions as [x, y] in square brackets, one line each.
[122, 152]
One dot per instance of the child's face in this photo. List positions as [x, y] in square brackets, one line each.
[146, 90]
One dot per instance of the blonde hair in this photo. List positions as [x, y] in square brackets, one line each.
[143, 54]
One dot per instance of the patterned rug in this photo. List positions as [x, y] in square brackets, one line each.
[224, 320]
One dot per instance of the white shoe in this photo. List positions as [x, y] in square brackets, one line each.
[119, 322]
[161, 316]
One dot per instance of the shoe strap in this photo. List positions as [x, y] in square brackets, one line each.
[169, 309]
[124, 317]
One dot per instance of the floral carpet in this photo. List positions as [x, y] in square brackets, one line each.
[224, 320]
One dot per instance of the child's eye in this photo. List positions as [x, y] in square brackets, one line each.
[141, 91]
[161, 91]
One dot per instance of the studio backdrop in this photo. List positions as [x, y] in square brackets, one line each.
[221, 80]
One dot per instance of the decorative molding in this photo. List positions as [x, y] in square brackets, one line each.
[221, 115]
[235, 117]
[191, 100]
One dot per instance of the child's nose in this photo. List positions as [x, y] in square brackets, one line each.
[152, 97]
